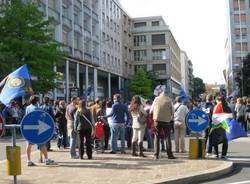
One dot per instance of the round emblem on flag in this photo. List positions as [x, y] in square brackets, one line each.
[15, 82]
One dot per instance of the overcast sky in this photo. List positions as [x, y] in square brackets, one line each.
[199, 26]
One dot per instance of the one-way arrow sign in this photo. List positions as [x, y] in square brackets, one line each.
[37, 127]
[197, 120]
[41, 127]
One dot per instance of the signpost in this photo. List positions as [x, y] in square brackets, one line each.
[1, 126]
[197, 121]
[37, 127]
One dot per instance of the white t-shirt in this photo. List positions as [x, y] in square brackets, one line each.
[108, 110]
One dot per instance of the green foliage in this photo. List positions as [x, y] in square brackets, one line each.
[141, 84]
[246, 76]
[27, 39]
[199, 87]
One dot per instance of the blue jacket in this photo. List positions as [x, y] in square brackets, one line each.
[118, 113]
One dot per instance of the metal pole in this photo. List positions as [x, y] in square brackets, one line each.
[14, 145]
[13, 128]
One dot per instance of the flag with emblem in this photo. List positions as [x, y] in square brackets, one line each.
[16, 84]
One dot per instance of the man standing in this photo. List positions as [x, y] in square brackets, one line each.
[163, 111]
[118, 113]
[30, 108]
[70, 111]
[47, 108]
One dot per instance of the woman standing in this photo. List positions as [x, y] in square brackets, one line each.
[85, 128]
[240, 110]
[138, 124]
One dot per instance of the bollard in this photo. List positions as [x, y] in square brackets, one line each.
[197, 148]
[13, 163]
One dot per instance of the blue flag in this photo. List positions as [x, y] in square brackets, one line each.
[235, 130]
[16, 84]
[183, 96]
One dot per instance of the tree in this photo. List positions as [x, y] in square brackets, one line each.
[26, 38]
[141, 84]
[246, 75]
[199, 87]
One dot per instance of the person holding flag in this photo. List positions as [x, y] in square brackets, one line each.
[221, 114]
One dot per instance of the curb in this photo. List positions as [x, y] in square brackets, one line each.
[207, 175]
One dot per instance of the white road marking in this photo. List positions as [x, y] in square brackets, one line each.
[240, 182]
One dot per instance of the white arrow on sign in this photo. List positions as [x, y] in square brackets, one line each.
[199, 120]
[41, 127]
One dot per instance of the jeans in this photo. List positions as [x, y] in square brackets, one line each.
[117, 129]
[166, 126]
[62, 136]
[73, 137]
[149, 138]
[87, 135]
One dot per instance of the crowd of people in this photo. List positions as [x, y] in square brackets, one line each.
[156, 122]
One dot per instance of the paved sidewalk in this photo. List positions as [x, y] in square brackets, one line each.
[115, 169]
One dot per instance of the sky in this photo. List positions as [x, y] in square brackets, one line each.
[199, 27]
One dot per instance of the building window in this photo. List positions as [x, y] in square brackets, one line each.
[144, 67]
[140, 40]
[239, 18]
[64, 37]
[112, 42]
[140, 55]
[242, 31]
[140, 24]
[158, 39]
[155, 23]
[239, 4]
[159, 69]
[107, 21]
[159, 54]
[103, 37]
[108, 59]
[241, 47]
[104, 57]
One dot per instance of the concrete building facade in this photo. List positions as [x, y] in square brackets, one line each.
[154, 48]
[91, 31]
[238, 43]
[186, 73]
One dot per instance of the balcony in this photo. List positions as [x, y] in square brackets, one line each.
[86, 10]
[77, 54]
[95, 38]
[161, 74]
[67, 22]
[87, 57]
[54, 14]
[150, 29]
[87, 33]
[95, 16]
[68, 49]
[78, 4]
[78, 28]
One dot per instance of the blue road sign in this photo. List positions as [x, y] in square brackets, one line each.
[197, 120]
[37, 127]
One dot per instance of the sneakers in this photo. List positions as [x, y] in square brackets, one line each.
[30, 163]
[49, 162]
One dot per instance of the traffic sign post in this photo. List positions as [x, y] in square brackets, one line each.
[1, 126]
[197, 121]
[37, 127]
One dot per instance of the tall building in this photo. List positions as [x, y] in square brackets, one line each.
[91, 32]
[186, 73]
[237, 45]
[154, 48]
[106, 47]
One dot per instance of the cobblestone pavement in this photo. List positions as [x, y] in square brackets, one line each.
[109, 168]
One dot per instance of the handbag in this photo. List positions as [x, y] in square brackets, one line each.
[141, 118]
